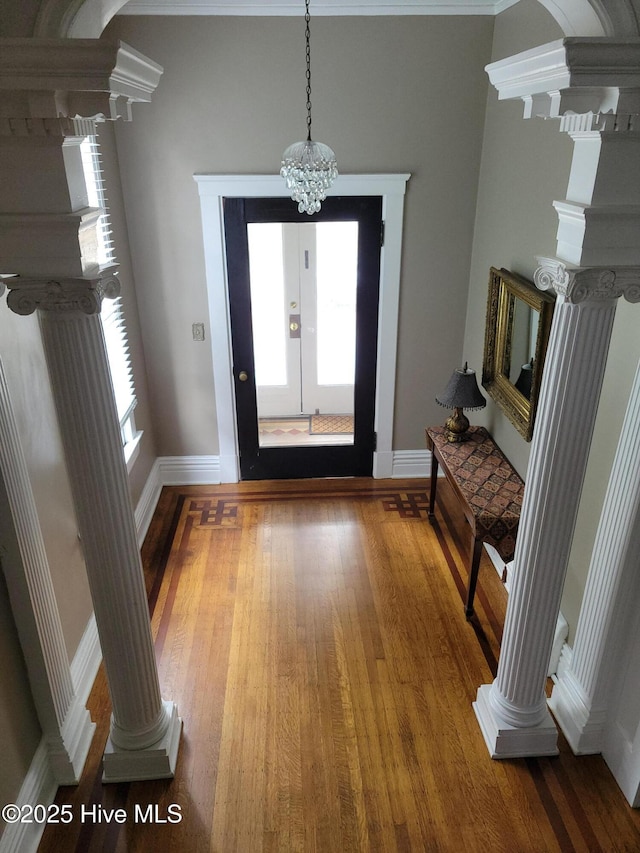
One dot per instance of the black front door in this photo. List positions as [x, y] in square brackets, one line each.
[304, 335]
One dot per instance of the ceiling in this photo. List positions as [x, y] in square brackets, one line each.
[318, 7]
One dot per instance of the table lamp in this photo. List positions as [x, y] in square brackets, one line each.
[525, 380]
[462, 392]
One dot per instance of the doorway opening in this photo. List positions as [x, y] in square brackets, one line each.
[303, 280]
[213, 190]
[303, 296]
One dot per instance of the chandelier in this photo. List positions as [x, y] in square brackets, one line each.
[309, 167]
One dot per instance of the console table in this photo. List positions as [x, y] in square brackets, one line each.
[488, 489]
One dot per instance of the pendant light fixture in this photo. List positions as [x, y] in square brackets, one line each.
[309, 168]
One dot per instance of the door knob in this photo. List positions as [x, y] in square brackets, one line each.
[243, 376]
[294, 326]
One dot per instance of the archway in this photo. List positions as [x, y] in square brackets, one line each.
[88, 18]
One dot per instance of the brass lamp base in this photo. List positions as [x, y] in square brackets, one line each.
[456, 426]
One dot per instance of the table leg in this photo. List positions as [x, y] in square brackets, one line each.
[473, 576]
[434, 483]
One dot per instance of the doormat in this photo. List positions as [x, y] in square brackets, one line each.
[331, 424]
[282, 426]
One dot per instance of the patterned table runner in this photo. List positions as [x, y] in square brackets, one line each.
[491, 486]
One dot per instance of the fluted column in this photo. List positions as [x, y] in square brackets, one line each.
[513, 711]
[145, 730]
[591, 87]
[581, 696]
[65, 721]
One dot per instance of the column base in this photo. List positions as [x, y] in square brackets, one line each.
[69, 754]
[506, 741]
[582, 727]
[154, 762]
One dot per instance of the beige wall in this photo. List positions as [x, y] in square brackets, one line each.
[525, 166]
[24, 363]
[389, 95]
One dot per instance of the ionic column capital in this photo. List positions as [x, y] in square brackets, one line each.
[62, 295]
[587, 284]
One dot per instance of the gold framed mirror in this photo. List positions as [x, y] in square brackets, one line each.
[516, 336]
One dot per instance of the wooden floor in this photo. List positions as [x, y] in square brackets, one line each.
[312, 634]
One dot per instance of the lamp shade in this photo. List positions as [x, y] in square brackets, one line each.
[462, 391]
[525, 380]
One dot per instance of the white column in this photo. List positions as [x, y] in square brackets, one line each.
[580, 698]
[513, 711]
[145, 731]
[66, 724]
[51, 95]
[589, 86]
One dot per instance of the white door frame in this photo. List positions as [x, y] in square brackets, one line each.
[213, 189]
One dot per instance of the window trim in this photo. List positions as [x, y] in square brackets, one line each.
[112, 315]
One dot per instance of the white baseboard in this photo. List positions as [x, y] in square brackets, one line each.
[505, 570]
[566, 656]
[188, 470]
[411, 463]
[559, 645]
[621, 755]
[39, 788]
[207, 470]
[86, 661]
[148, 502]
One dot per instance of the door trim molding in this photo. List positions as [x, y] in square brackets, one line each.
[212, 190]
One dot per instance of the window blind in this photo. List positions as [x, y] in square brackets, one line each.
[112, 315]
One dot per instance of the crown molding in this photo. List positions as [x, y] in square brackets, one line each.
[592, 65]
[322, 8]
[47, 78]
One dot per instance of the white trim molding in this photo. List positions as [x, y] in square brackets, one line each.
[189, 470]
[411, 463]
[38, 788]
[594, 77]
[76, 79]
[148, 501]
[213, 189]
[86, 661]
[322, 8]
[64, 18]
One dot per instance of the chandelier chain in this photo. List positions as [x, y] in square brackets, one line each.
[307, 35]
[309, 168]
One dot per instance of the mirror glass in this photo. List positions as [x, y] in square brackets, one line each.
[516, 337]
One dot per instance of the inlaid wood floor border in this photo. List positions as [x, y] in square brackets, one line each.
[523, 806]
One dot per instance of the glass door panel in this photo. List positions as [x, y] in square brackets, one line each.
[276, 354]
[329, 348]
[303, 280]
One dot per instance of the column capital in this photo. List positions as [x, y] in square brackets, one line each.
[590, 84]
[588, 284]
[62, 295]
[57, 87]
